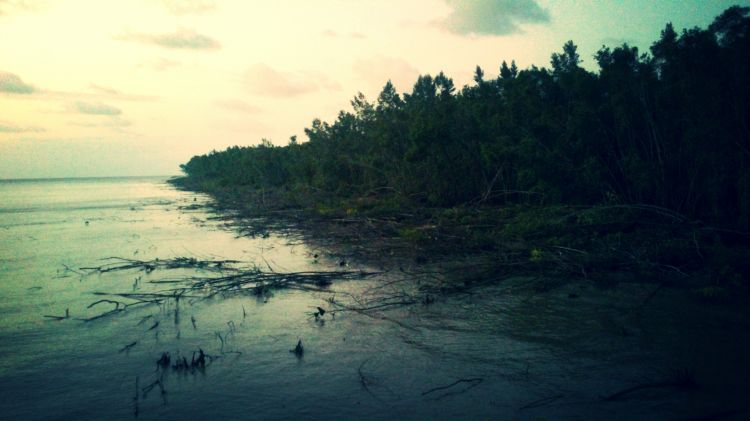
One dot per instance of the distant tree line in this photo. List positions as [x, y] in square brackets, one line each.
[670, 129]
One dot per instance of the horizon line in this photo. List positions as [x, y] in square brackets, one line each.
[86, 177]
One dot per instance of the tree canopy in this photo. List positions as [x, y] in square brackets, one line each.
[668, 128]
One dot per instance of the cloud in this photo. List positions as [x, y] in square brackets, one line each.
[94, 93]
[115, 124]
[183, 39]
[185, 7]
[13, 84]
[377, 71]
[263, 80]
[11, 6]
[238, 105]
[9, 128]
[492, 17]
[96, 108]
[106, 92]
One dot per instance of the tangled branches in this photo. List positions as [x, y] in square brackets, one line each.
[121, 263]
[231, 277]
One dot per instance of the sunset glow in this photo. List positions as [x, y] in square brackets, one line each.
[92, 88]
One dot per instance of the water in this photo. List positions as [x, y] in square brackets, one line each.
[503, 352]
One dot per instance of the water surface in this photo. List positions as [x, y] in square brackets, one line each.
[500, 352]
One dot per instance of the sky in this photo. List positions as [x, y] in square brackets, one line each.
[94, 88]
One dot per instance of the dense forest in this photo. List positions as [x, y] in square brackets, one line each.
[669, 128]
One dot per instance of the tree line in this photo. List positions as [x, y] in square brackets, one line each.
[668, 128]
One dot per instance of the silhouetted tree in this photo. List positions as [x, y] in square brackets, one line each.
[669, 128]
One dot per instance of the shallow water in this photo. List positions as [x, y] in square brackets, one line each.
[501, 353]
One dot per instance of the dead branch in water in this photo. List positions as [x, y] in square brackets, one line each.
[69, 269]
[127, 347]
[121, 263]
[233, 278]
[119, 306]
[366, 381]
[58, 318]
[472, 383]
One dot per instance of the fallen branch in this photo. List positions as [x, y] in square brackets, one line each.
[127, 347]
[365, 381]
[121, 263]
[58, 318]
[232, 279]
[473, 382]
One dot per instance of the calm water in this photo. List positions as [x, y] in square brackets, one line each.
[523, 348]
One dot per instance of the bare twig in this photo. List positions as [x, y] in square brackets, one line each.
[231, 279]
[365, 381]
[472, 383]
[127, 347]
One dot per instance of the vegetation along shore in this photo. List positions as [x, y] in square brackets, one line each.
[638, 171]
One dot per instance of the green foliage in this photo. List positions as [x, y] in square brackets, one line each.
[416, 235]
[668, 129]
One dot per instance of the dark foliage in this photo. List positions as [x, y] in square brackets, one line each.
[669, 129]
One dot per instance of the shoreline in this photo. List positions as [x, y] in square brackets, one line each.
[685, 333]
[471, 246]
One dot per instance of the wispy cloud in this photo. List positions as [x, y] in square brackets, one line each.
[492, 17]
[10, 128]
[115, 124]
[238, 105]
[96, 108]
[12, 84]
[261, 79]
[108, 92]
[378, 70]
[183, 39]
[92, 94]
[186, 7]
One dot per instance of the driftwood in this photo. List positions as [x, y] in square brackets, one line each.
[58, 318]
[148, 266]
[473, 382]
[231, 278]
[127, 347]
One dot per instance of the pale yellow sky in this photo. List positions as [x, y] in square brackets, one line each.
[136, 87]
